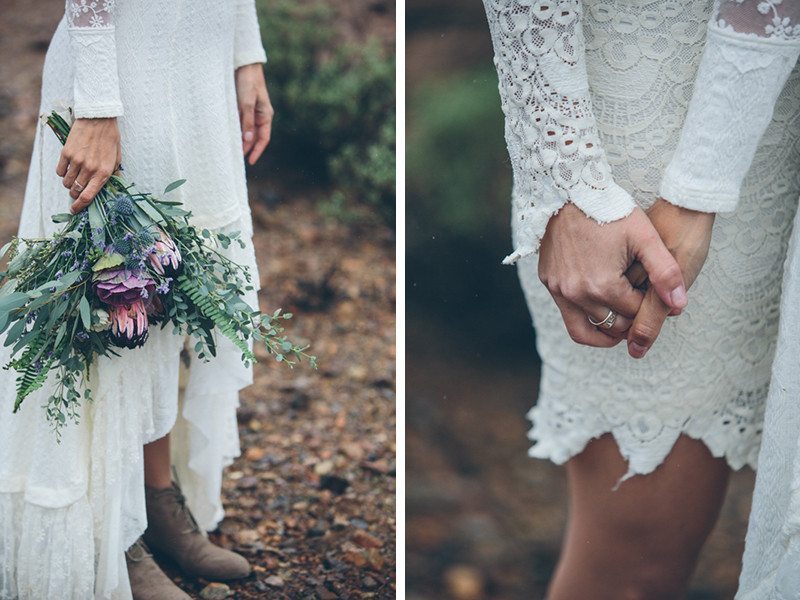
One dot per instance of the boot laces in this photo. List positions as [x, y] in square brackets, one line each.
[181, 510]
[138, 551]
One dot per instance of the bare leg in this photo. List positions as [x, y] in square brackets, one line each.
[157, 471]
[642, 540]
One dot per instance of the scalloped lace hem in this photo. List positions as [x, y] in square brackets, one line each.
[642, 457]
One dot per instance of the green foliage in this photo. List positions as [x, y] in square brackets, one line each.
[334, 102]
[138, 243]
[208, 305]
[457, 177]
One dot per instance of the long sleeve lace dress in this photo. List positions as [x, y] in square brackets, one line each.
[596, 96]
[68, 511]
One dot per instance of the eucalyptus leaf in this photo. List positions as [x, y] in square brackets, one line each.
[96, 220]
[5, 248]
[13, 301]
[150, 211]
[62, 217]
[16, 330]
[60, 335]
[86, 313]
[67, 280]
[174, 185]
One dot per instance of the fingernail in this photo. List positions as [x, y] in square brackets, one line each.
[678, 297]
[248, 136]
[637, 350]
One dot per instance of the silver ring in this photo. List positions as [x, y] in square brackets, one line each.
[78, 187]
[606, 323]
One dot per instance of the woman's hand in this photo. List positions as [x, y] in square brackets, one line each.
[583, 265]
[687, 235]
[255, 110]
[90, 156]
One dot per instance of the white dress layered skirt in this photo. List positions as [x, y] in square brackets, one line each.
[69, 511]
[597, 101]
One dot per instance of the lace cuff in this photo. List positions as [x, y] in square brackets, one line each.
[94, 54]
[248, 48]
[551, 130]
[750, 52]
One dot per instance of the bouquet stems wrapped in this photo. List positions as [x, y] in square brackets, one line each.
[128, 262]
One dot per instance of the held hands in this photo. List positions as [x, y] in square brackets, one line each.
[255, 110]
[583, 265]
[89, 157]
[687, 235]
[592, 269]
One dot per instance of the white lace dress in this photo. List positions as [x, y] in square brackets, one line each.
[166, 70]
[595, 96]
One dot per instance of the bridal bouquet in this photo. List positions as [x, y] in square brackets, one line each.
[128, 262]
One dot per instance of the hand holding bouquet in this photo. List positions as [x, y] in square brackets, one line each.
[128, 262]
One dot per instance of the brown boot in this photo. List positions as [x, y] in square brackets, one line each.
[148, 581]
[173, 532]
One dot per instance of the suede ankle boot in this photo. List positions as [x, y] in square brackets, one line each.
[172, 532]
[148, 581]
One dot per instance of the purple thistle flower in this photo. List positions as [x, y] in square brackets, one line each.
[122, 287]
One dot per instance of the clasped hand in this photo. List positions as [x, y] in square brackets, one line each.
[638, 267]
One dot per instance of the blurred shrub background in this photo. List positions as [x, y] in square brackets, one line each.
[483, 520]
[334, 98]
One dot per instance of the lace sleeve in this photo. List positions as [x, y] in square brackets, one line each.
[550, 127]
[751, 48]
[93, 46]
[247, 45]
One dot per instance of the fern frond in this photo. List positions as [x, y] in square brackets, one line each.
[210, 310]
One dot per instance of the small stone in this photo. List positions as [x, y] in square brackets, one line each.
[324, 467]
[381, 466]
[317, 530]
[365, 540]
[274, 581]
[464, 582]
[353, 451]
[339, 523]
[254, 454]
[375, 559]
[369, 583]
[247, 483]
[359, 523]
[247, 537]
[300, 401]
[334, 483]
[216, 591]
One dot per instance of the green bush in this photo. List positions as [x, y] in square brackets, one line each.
[458, 176]
[334, 102]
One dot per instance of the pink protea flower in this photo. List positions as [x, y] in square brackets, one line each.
[165, 257]
[129, 324]
[121, 287]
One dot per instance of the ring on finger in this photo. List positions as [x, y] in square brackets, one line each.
[606, 323]
[78, 187]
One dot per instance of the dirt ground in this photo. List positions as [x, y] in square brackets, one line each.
[311, 502]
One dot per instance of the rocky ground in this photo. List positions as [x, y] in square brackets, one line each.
[311, 501]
